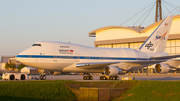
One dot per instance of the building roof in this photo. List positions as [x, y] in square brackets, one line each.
[4, 59]
[136, 29]
[93, 33]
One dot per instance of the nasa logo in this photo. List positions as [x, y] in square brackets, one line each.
[160, 36]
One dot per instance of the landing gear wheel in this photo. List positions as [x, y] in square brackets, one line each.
[91, 78]
[85, 78]
[110, 78]
[117, 77]
[42, 77]
[104, 78]
[101, 77]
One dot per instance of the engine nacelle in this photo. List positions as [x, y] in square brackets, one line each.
[55, 73]
[111, 70]
[162, 68]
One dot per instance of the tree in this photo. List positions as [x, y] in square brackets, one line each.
[7, 66]
[10, 66]
[21, 66]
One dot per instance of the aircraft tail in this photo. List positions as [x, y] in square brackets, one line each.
[157, 40]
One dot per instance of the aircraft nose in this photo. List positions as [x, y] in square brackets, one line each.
[19, 57]
[22, 57]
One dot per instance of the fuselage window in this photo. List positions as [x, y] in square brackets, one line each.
[36, 45]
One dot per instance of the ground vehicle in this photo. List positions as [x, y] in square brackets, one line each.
[15, 76]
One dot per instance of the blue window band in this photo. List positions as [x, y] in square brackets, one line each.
[80, 57]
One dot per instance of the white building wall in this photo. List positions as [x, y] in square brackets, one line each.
[175, 27]
[116, 33]
[3, 66]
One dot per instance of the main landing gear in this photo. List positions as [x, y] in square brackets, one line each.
[88, 77]
[109, 77]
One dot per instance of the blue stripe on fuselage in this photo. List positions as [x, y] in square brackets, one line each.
[79, 57]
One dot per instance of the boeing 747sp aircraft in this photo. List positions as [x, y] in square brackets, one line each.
[68, 57]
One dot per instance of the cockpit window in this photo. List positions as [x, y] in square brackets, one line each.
[36, 45]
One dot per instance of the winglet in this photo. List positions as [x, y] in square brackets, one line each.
[157, 40]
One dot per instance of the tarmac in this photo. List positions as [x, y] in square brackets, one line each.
[96, 77]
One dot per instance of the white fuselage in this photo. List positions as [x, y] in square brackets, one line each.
[58, 56]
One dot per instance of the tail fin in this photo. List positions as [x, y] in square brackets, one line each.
[157, 40]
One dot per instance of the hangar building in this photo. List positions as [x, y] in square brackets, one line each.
[133, 37]
[5, 59]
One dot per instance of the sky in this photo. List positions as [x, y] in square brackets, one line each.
[24, 22]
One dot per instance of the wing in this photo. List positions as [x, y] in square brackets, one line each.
[131, 65]
[95, 65]
[123, 65]
[175, 63]
[164, 57]
[134, 65]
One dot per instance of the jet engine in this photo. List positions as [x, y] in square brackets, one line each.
[111, 70]
[162, 68]
[55, 73]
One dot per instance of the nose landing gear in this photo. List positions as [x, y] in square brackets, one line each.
[42, 77]
[42, 74]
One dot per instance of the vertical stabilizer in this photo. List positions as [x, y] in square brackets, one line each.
[157, 40]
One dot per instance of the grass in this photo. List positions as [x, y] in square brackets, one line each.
[59, 91]
[35, 90]
[152, 91]
[47, 90]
